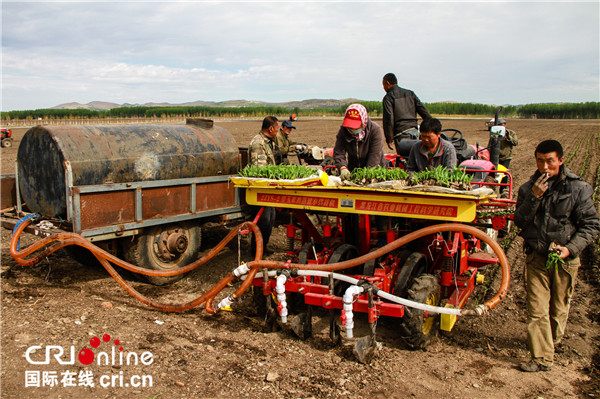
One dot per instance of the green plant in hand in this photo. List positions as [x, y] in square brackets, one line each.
[554, 259]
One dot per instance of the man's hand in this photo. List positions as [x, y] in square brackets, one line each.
[345, 174]
[390, 145]
[540, 186]
[564, 251]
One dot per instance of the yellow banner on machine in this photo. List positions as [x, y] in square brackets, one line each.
[406, 204]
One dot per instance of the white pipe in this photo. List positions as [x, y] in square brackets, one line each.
[271, 273]
[418, 305]
[225, 302]
[241, 270]
[383, 294]
[280, 289]
[337, 276]
[351, 292]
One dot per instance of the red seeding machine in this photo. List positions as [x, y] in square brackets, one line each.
[411, 253]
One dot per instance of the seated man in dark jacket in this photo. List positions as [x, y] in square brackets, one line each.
[557, 215]
[432, 150]
[359, 142]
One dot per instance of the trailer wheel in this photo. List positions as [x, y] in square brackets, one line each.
[7, 143]
[418, 329]
[164, 248]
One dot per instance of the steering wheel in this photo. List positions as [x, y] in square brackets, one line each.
[304, 150]
[456, 135]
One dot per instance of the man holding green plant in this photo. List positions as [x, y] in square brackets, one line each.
[432, 151]
[558, 219]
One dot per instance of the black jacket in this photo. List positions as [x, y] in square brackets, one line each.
[400, 109]
[353, 154]
[565, 214]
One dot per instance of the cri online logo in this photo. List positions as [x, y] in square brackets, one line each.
[86, 356]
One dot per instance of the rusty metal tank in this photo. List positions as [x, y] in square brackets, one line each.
[117, 154]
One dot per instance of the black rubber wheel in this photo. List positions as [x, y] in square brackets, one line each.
[346, 252]
[342, 253]
[368, 269]
[307, 253]
[164, 248]
[418, 330]
[414, 265]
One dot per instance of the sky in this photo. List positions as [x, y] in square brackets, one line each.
[149, 51]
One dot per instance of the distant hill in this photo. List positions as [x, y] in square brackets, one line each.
[304, 104]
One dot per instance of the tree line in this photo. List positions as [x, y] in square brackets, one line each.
[586, 110]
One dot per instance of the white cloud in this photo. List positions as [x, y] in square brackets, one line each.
[184, 51]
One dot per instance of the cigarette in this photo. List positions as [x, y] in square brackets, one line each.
[546, 175]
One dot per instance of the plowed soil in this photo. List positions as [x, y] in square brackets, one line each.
[194, 354]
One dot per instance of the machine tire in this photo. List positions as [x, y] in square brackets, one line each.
[414, 265]
[345, 252]
[368, 269]
[342, 253]
[147, 249]
[306, 252]
[6, 143]
[417, 330]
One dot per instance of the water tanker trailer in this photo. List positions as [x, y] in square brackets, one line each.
[154, 184]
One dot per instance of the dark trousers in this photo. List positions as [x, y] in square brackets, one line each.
[265, 225]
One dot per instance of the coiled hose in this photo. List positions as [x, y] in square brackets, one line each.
[60, 240]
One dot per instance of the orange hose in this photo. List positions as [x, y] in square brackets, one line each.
[208, 297]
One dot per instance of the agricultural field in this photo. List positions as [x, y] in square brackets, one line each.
[230, 355]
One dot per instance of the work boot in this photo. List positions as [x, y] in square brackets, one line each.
[533, 366]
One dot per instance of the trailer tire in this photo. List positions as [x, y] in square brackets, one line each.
[6, 143]
[164, 248]
[418, 331]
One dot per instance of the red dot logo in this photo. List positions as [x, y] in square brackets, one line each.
[86, 356]
[95, 342]
[117, 342]
[106, 338]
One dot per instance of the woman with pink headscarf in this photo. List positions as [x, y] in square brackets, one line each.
[359, 142]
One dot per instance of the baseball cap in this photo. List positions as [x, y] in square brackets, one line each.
[352, 119]
[500, 121]
[288, 124]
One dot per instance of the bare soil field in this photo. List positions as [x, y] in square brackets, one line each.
[196, 355]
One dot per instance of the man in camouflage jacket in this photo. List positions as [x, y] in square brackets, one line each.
[556, 214]
[263, 150]
[286, 146]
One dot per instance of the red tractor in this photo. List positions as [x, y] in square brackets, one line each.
[6, 135]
